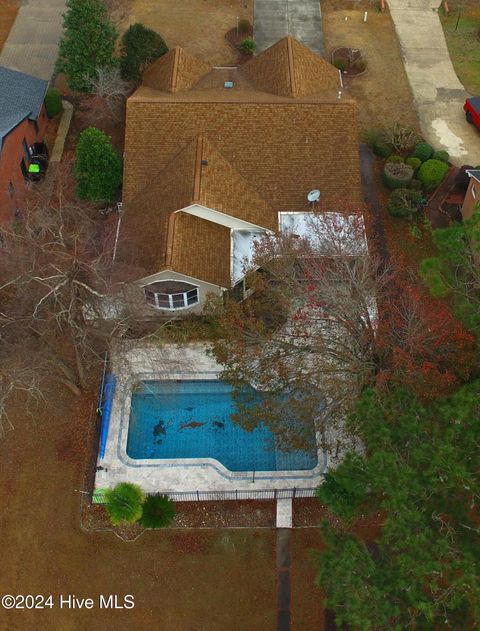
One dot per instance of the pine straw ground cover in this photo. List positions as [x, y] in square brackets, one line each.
[220, 580]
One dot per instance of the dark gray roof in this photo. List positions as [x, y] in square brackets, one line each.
[474, 173]
[21, 96]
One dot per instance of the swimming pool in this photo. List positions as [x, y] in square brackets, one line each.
[174, 419]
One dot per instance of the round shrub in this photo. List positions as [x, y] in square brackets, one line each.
[140, 46]
[404, 202]
[416, 185]
[248, 46]
[441, 155]
[397, 175]
[53, 102]
[124, 503]
[158, 511]
[382, 148]
[431, 173]
[243, 26]
[413, 162]
[340, 64]
[423, 151]
[394, 158]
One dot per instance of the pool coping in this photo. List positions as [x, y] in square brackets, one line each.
[133, 363]
[220, 468]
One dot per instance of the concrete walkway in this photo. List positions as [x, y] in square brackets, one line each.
[32, 45]
[274, 19]
[438, 94]
[283, 580]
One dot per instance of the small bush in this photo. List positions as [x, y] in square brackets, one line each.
[158, 511]
[382, 148]
[340, 64]
[124, 503]
[423, 151]
[431, 173]
[404, 202]
[53, 102]
[360, 64]
[140, 47]
[441, 155]
[248, 46]
[397, 175]
[416, 185]
[243, 26]
[98, 167]
[394, 158]
[413, 162]
[402, 138]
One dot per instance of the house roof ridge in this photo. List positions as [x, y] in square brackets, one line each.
[291, 65]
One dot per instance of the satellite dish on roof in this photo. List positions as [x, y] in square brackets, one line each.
[313, 196]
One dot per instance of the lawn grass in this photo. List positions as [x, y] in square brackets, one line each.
[216, 580]
[8, 13]
[464, 46]
[383, 93]
[307, 602]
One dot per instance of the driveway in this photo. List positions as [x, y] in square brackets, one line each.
[438, 94]
[274, 19]
[32, 45]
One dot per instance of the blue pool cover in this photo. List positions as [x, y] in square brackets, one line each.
[191, 419]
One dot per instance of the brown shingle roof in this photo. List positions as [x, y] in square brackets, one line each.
[288, 68]
[176, 70]
[265, 152]
[199, 174]
[143, 238]
[219, 186]
[200, 249]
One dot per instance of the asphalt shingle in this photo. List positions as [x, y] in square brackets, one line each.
[21, 96]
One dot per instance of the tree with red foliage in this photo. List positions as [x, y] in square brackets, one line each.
[427, 349]
[311, 340]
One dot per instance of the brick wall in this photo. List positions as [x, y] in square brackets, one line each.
[12, 197]
[472, 198]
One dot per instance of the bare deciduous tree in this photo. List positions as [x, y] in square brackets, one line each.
[109, 92]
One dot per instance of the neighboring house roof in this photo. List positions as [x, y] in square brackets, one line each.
[21, 96]
[247, 152]
[475, 173]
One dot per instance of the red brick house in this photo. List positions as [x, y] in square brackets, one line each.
[216, 157]
[472, 196]
[23, 120]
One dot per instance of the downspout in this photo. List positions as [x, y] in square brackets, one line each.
[119, 208]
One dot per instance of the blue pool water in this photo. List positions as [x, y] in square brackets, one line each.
[191, 419]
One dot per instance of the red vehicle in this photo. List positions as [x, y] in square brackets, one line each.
[472, 111]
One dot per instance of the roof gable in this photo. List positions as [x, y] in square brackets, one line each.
[220, 187]
[175, 71]
[288, 68]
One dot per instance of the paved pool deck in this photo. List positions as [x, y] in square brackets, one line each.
[153, 362]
